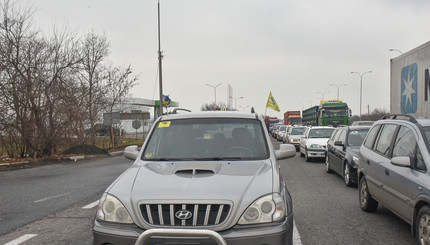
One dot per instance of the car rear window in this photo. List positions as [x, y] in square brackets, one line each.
[356, 137]
[321, 133]
[207, 139]
[297, 131]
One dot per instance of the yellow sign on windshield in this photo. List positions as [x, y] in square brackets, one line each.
[165, 124]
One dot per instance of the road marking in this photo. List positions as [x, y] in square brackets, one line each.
[296, 236]
[21, 239]
[51, 197]
[91, 205]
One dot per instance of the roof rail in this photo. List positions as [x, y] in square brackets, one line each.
[175, 111]
[400, 117]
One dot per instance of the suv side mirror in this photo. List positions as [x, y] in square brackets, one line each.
[131, 152]
[402, 161]
[285, 151]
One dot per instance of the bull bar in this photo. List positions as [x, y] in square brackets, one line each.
[143, 238]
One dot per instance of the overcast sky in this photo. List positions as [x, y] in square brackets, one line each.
[293, 48]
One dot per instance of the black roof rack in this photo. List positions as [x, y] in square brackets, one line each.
[175, 111]
[400, 117]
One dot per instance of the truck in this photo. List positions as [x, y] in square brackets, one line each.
[292, 118]
[410, 82]
[270, 121]
[328, 113]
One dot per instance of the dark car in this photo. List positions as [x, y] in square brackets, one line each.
[394, 171]
[343, 150]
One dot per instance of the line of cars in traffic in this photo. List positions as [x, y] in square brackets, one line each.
[388, 161]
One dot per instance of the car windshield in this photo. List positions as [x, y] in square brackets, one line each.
[297, 131]
[356, 137]
[207, 139]
[321, 133]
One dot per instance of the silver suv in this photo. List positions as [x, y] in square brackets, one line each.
[200, 178]
[394, 170]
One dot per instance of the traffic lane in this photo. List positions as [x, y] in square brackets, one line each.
[31, 194]
[69, 226]
[328, 212]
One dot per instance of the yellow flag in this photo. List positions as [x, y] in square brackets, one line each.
[271, 103]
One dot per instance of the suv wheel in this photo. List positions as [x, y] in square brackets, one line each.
[422, 225]
[347, 174]
[327, 165]
[367, 203]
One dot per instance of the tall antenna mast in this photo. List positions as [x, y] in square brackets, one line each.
[160, 57]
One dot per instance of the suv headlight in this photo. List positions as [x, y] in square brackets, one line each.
[316, 146]
[112, 210]
[269, 208]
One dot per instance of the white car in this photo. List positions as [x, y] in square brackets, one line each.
[314, 142]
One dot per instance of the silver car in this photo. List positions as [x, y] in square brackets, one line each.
[394, 167]
[200, 178]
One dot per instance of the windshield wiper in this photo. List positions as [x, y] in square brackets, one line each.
[195, 159]
[218, 158]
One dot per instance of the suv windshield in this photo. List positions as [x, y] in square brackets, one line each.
[321, 133]
[207, 139]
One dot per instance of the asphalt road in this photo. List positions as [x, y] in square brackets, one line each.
[46, 205]
[31, 194]
[326, 211]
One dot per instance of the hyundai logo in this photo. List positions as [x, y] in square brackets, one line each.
[183, 214]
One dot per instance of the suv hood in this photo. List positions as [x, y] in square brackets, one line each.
[236, 181]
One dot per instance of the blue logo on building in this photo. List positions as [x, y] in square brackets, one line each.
[408, 94]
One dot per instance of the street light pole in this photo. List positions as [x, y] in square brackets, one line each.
[214, 87]
[361, 85]
[160, 70]
[338, 86]
[323, 93]
[235, 101]
[393, 49]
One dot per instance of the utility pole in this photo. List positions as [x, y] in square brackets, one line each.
[160, 57]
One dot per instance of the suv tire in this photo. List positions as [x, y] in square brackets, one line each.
[421, 225]
[367, 203]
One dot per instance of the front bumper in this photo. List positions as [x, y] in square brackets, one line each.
[280, 233]
[316, 153]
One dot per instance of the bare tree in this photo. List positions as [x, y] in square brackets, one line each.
[95, 50]
[216, 107]
[119, 83]
[52, 89]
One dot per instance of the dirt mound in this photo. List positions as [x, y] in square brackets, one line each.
[85, 150]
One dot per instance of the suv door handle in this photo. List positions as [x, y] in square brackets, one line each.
[368, 161]
[387, 172]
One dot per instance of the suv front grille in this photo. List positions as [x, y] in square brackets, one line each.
[201, 214]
